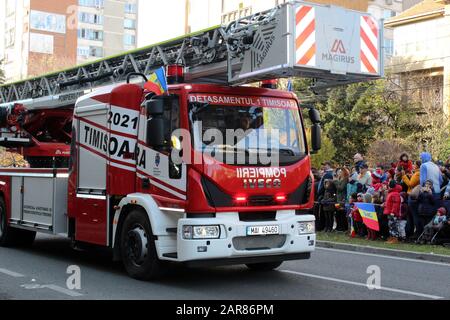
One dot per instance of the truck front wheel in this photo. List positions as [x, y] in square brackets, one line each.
[11, 236]
[137, 247]
[267, 266]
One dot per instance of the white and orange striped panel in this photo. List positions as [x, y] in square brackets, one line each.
[369, 45]
[306, 36]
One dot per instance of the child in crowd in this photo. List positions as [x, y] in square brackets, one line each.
[358, 224]
[371, 234]
[392, 210]
[405, 164]
[378, 176]
[403, 218]
[436, 224]
[350, 208]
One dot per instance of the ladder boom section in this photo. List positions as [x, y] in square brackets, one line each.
[297, 39]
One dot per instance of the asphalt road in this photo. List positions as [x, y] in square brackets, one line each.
[40, 273]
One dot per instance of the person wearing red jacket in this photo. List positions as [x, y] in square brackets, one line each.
[405, 164]
[392, 210]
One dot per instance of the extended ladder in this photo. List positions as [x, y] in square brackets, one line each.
[297, 39]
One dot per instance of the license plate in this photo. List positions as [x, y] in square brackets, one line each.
[263, 230]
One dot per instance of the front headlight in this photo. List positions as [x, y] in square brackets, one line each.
[306, 227]
[201, 232]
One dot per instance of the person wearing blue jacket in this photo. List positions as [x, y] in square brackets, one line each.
[429, 171]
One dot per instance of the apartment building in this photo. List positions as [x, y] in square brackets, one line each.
[106, 27]
[421, 52]
[42, 36]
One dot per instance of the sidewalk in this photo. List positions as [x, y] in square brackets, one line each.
[410, 251]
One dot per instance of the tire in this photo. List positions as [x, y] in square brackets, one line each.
[9, 236]
[264, 267]
[137, 247]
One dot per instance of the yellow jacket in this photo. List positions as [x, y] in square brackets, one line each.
[413, 181]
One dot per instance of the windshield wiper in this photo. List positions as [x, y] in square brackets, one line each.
[198, 107]
[228, 147]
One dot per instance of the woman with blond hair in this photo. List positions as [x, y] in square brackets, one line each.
[342, 176]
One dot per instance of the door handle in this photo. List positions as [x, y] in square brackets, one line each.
[146, 183]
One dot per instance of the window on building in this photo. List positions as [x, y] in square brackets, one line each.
[90, 18]
[129, 40]
[91, 3]
[83, 51]
[388, 47]
[10, 36]
[130, 8]
[389, 13]
[96, 52]
[90, 34]
[129, 24]
[90, 51]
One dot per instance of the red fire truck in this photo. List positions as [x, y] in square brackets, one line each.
[110, 167]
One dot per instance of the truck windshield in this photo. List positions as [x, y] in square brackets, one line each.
[248, 135]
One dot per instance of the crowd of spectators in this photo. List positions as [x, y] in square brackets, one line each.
[411, 198]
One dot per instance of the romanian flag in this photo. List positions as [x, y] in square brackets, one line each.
[157, 82]
[369, 215]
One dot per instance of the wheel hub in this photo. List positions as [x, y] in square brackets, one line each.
[137, 245]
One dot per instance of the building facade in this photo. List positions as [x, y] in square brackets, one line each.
[106, 27]
[42, 36]
[421, 51]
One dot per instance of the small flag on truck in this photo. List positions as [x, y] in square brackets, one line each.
[157, 82]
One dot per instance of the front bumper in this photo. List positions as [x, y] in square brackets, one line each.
[235, 247]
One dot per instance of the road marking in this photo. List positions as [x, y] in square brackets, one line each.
[422, 295]
[52, 287]
[11, 273]
[63, 290]
[384, 256]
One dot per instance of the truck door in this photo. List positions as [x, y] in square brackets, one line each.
[91, 208]
[156, 170]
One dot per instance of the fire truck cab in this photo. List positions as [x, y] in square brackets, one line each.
[128, 192]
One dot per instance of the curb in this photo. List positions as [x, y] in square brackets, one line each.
[382, 251]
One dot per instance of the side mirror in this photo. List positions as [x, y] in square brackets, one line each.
[155, 107]
[314, 116]
[155, 132]
[316, 138]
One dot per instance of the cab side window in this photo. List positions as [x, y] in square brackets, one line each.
[171, 116]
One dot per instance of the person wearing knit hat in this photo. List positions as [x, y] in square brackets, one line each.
[436, 224]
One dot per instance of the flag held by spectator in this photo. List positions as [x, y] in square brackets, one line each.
[157, 82]
[369, 215]
[290, 86]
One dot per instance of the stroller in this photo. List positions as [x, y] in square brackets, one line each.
[438, 235]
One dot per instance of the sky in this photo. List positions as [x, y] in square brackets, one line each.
[163, 20]
[160, 20]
